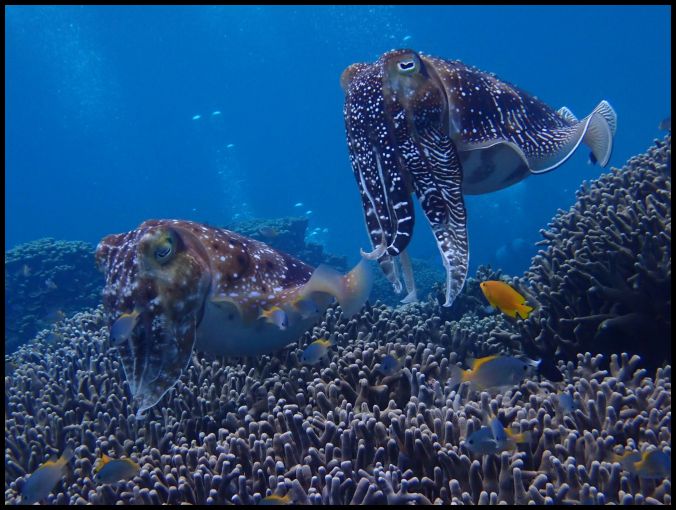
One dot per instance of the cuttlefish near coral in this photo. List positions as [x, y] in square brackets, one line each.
[179, 285]
[441, 129]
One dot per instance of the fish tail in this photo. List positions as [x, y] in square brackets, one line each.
[601, 126]
[458, 376]
[351, 290]
[523, 311]
[67, 454]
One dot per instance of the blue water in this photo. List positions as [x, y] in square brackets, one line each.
[101, 103]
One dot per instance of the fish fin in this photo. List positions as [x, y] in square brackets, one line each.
[523, 311]
[565, 112]
[596, 130]
[351, 290]
[458, 376]
[103, 460]
[601, 128]
[519, 437]
[67, 454]
[475, 364]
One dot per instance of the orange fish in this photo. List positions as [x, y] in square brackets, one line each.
[505, 298]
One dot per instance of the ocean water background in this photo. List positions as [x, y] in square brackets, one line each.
[101, 127]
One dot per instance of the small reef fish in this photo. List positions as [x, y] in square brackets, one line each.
[653, 464]
[407, 38]
[55, 316]
[199, 287]
[315, 351]
[308, 212]
[49, 283]
[482, 441]
[505, 438]
[389, 365]
[298, 204]
[268, 232]
[493, 372]
[42, 481]
[306, 307]
[505, 298]
[53, 338]
[196, 117]
[230, 146]
[566, 403]
[123, 326]
[276, 500]
[276, 316]
[216, 112]
[665, 125]
[26, 271]
[113, 470]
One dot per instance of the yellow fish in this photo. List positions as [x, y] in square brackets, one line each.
[123, 326]
[653, 464]
[42, 481]
[113, 470]
[276, 500]
[496, 371]
[276, 316]
[504, 297]
[315, 351]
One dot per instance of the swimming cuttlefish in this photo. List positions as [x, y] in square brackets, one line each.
[173, 286]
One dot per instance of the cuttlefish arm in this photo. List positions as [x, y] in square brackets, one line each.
[159, 271]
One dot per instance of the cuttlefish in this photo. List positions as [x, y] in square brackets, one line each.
[173, 286]
[441, 129]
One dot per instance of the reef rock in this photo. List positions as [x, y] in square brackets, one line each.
[289, 235]
[45, 280]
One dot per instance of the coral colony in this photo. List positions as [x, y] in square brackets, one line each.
[345, 431]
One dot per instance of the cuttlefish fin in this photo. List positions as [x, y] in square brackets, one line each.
[596, 131]
[351, 290]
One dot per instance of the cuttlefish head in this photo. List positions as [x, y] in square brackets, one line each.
[160, 273]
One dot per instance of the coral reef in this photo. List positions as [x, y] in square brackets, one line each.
[427, 275]
[603, 280]
[44, 281]
[289, 235]
[236, 431]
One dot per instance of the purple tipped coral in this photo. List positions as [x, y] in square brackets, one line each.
[335, 433]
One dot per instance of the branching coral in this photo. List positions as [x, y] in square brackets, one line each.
[340, 432]
[603, 280]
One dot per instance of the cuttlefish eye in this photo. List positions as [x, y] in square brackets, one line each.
[164, 249]
[407, 66]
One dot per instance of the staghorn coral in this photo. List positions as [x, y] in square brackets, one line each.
[43, 276]
[603, 280]
[235, 431]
